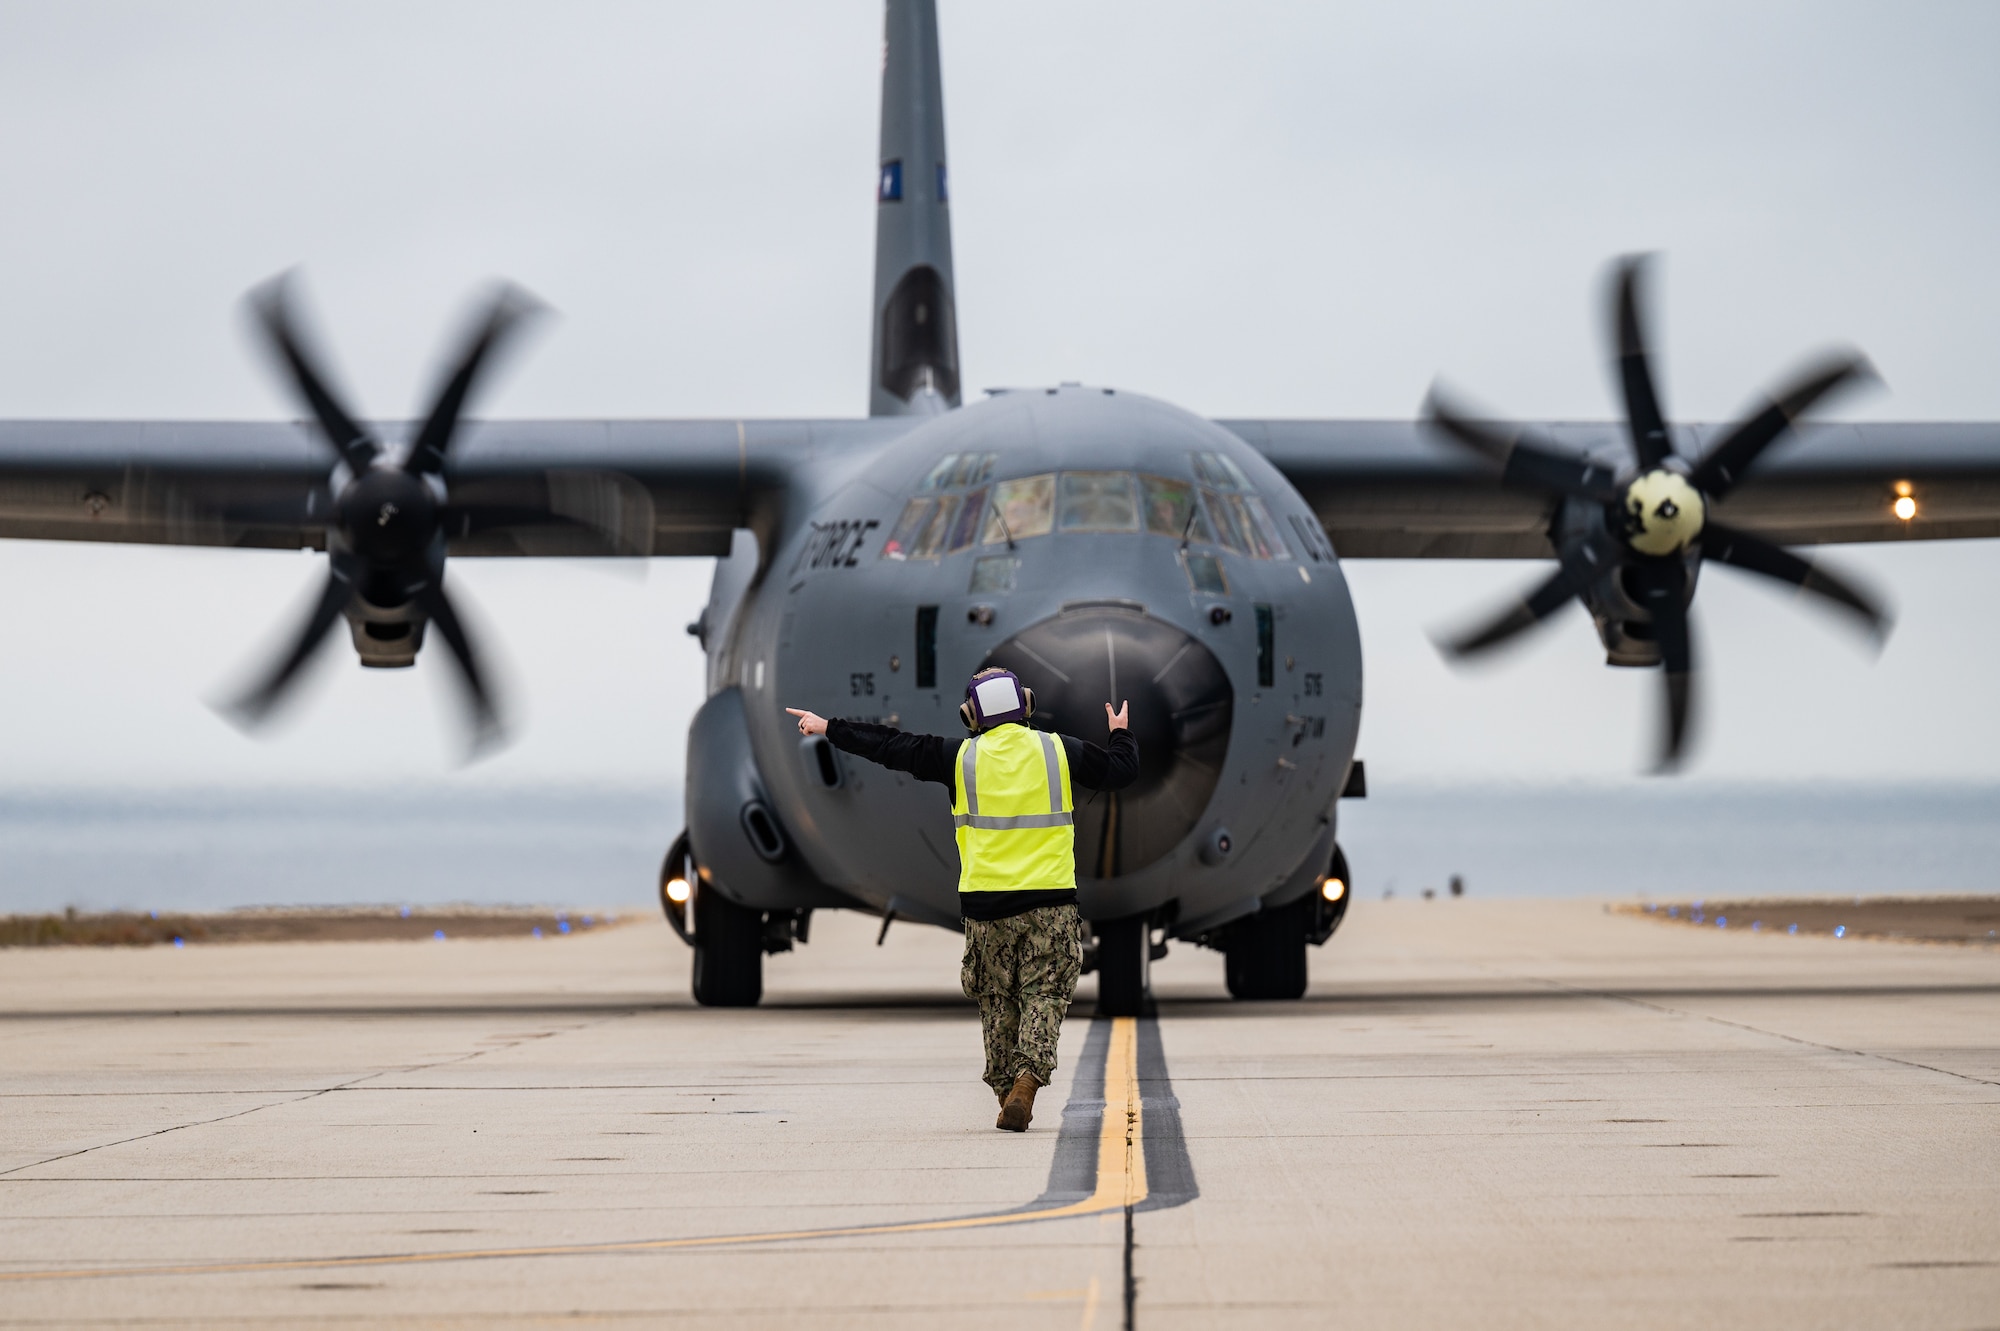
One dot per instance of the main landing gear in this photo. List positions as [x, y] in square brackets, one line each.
[729, 940]
[728, 952]
[1264, 956]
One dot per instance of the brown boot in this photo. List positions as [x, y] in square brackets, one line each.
[1018, 1109]
[1001, 1092]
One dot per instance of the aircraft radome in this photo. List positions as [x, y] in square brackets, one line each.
[1103, 544]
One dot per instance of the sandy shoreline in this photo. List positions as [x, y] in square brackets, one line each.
[289, 924]
[1963, 919]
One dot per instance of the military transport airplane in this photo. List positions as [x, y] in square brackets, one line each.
[1104, 545]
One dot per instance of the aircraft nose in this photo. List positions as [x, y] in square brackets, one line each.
[1181, 703]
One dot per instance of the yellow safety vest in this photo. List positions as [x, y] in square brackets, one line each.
[1012, 808]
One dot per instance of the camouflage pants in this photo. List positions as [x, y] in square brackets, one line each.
[1022, 971]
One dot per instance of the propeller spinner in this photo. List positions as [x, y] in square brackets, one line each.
[386, 541]
[1642, 535]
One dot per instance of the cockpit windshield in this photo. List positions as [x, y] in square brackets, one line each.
[1218, 507]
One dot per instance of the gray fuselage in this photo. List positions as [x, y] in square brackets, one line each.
[893, 579]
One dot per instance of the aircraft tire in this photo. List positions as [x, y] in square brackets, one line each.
[728, 952]
[1265, 956]
[1123, 959]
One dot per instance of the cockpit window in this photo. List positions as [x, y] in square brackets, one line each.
[1270, 541]
[1204, 573]
[940, 475]
[1097, 501]
[1228, 533]
[1219, 471]
[1020, 509]
[965, 528]
[956, 470]
[1171, 511]
[930, 541]
[1247, 526]
[904, 535]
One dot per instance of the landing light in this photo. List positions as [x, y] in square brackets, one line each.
[1905, 507]
[1333, 889]
[677, 891]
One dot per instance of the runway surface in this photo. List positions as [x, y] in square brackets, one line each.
[1485, 1113]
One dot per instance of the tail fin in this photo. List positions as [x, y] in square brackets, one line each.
[914, 368]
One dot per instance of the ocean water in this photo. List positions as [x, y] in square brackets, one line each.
[1659, 839]
[213, 849]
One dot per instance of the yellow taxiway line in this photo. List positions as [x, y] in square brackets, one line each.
[1121, 1182]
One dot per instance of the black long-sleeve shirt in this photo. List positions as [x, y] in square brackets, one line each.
[934, 758]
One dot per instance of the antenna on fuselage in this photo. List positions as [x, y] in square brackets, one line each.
[914, 366]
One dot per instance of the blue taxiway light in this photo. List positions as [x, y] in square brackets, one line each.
[1840, 931]
[1722, 921]
[563, 925]
[1794, 929]
[439, 935]
[179, 941]
[404, 912]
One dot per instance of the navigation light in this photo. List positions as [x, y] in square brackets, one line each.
[677, 891]
[1333, 889]
[1905, 506]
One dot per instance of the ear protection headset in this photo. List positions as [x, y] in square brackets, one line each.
[993, 696]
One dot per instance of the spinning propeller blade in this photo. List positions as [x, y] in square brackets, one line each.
[1639, 538]
[386, 542]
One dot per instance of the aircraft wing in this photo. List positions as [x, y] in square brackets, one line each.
[1394, 490]
[547, 488]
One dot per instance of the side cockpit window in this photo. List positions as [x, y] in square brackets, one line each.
[1219, 471]
[903, 536]
[955, 471]
[931, 526]
[1242, 519]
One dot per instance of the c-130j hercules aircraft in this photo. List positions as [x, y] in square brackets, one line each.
[1104, 545]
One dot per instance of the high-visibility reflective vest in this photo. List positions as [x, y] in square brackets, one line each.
[1012, 808]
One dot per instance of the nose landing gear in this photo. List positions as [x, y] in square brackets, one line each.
[1124, 966]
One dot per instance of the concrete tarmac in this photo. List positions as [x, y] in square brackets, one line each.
[1485, 1113]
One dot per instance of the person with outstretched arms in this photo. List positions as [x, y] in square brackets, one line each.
[1014, 813]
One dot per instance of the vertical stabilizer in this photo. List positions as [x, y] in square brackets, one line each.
[914, 365]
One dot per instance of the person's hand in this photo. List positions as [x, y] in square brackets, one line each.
[812, 723]
[1118, 719]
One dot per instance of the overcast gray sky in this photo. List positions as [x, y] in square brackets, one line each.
[1253, 209]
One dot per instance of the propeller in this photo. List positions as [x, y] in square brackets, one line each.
[1647, 525]
[387, 536]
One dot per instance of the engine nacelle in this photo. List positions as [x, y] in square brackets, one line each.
[1623, 624]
